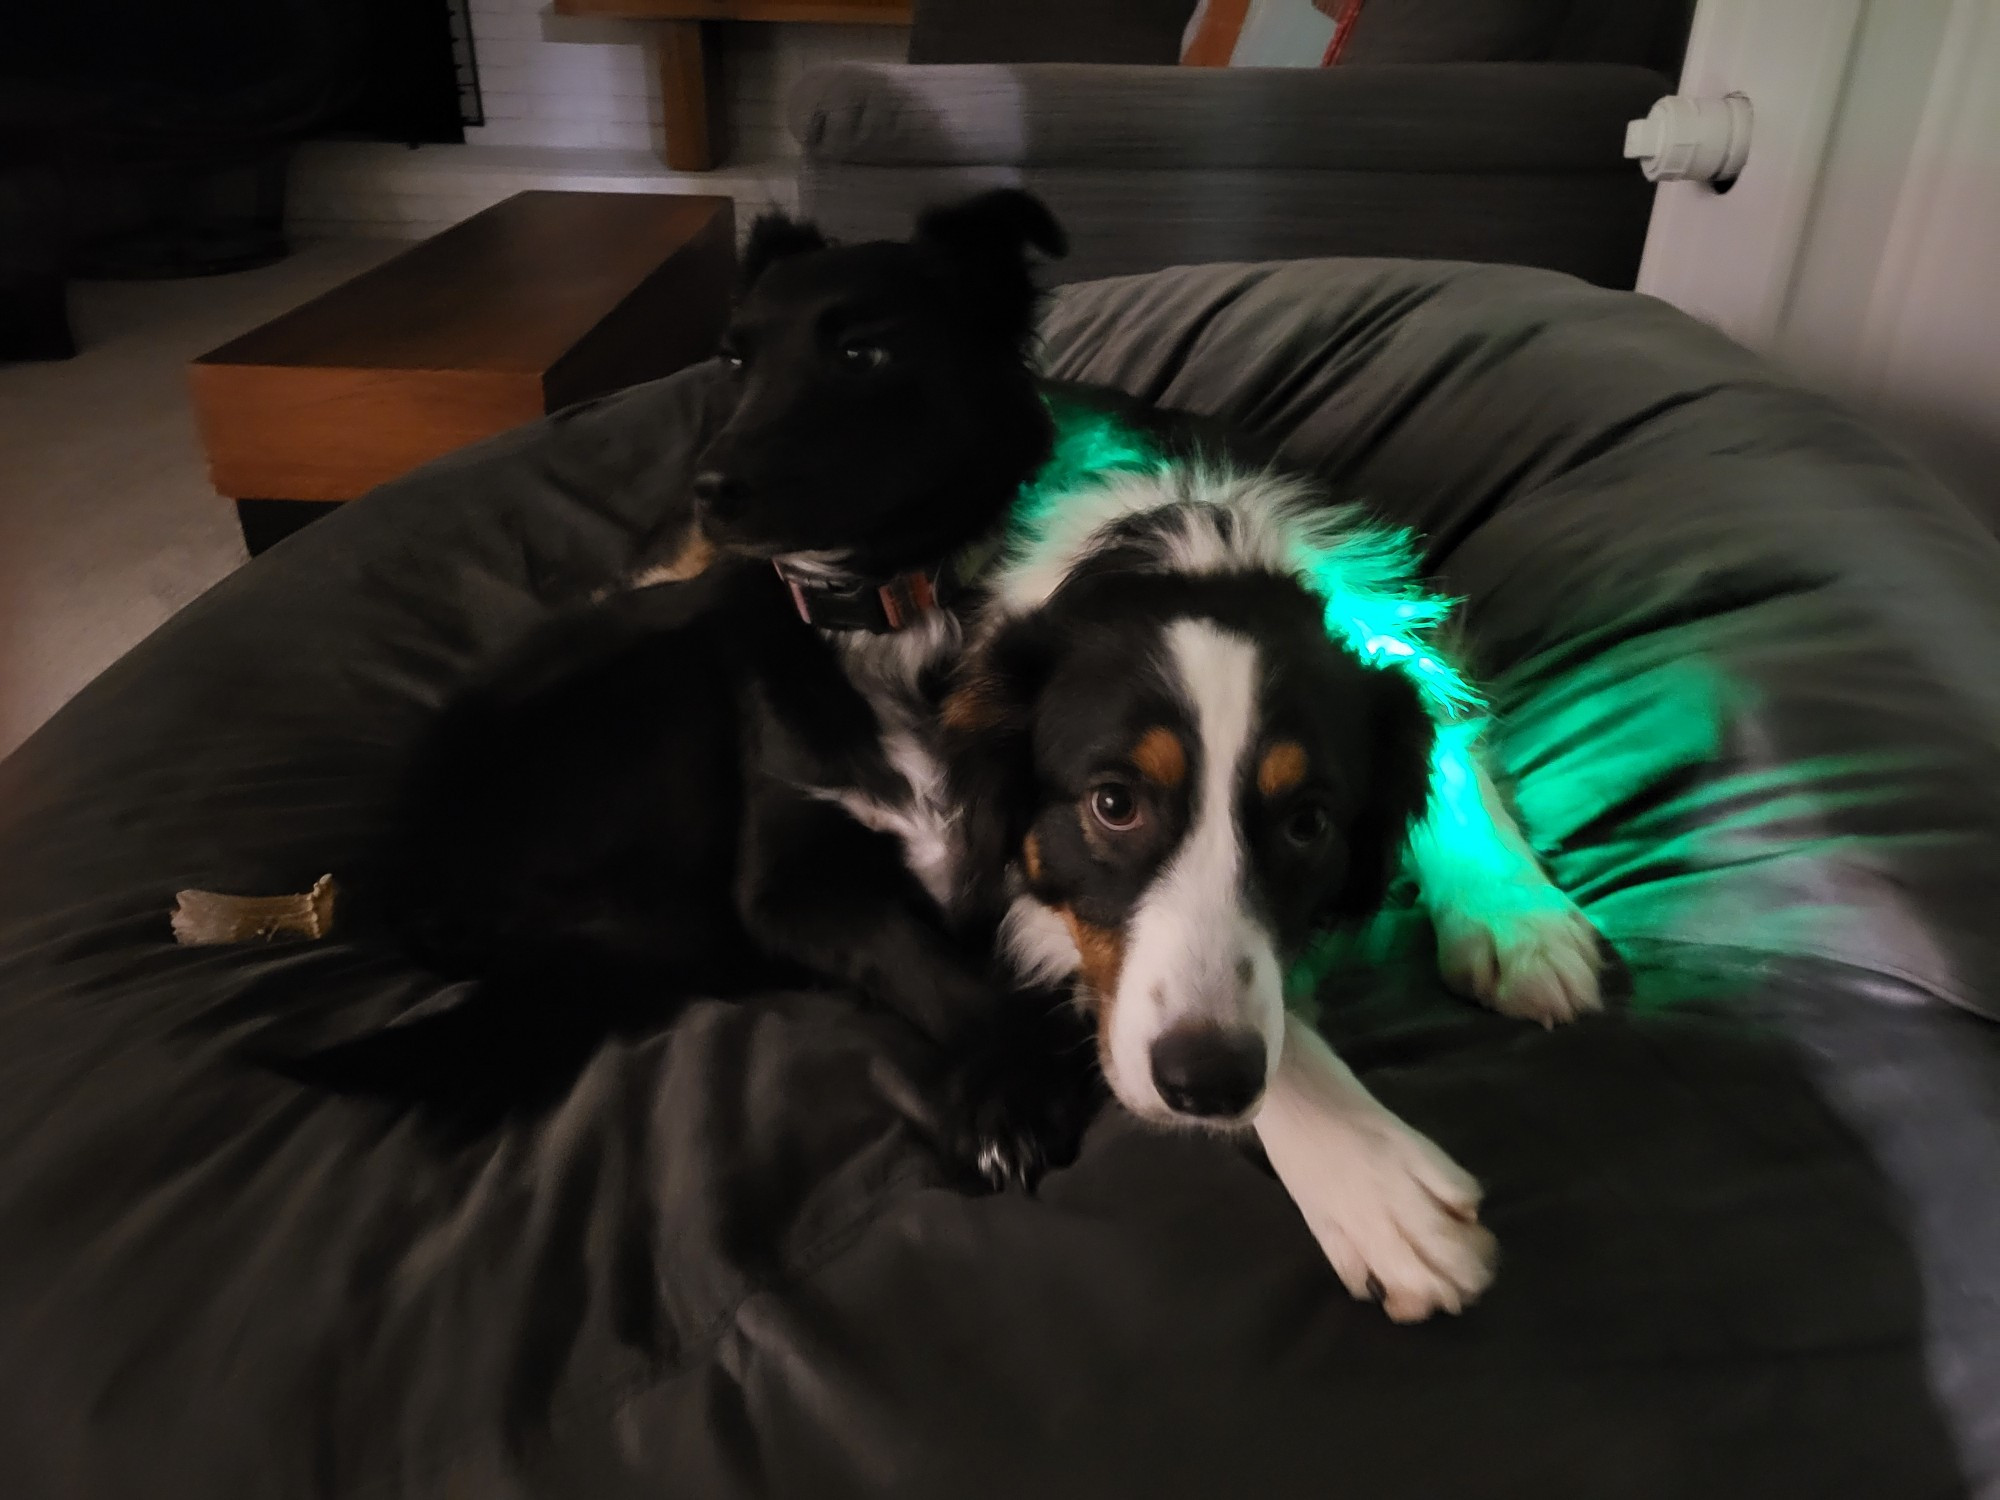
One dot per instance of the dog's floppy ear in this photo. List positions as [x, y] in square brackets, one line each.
[989, 721]
[986, 240]
[1004, 222]
[773, 237]
[1402, 735]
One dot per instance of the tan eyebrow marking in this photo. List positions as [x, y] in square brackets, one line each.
[1160, 757]
[1282, 768]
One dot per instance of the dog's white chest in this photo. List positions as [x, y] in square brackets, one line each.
[888, 671]
[926, 823]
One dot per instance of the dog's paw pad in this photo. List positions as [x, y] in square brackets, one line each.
[1533, 956]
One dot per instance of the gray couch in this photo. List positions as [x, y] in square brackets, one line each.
[1514, 155]
[1748, 662]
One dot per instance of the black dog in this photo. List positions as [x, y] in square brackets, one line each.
[729, 782]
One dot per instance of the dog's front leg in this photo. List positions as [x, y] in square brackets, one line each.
[1507, 935]
[816, 887]
[1398, 1218]
[1019, 1081]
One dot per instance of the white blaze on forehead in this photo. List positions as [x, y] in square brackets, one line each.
[1195, 954]
[1211, 519]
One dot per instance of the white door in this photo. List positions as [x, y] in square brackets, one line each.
[1861, 243]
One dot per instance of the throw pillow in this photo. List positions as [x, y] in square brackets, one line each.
[1319, 33]
[1268, 33]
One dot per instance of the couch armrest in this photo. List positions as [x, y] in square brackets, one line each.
[1489, 118]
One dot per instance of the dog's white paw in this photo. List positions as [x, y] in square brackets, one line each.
[1524, 949]
[1397, 1218]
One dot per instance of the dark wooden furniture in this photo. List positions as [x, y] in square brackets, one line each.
[687, 45]
[540, 301]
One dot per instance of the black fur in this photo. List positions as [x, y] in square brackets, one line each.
[771, 237]
[883, 406]
[637, 805]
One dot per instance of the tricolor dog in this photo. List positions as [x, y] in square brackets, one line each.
[1193, 730]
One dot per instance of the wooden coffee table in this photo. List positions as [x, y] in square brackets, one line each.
[540, 301]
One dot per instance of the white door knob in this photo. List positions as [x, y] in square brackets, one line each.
[1700, 140]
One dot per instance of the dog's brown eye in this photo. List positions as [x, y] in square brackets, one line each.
[863, 356]
[1115, 806]
[1306, 825]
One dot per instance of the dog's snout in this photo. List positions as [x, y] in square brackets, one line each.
[1209, 1072]
[718, 493]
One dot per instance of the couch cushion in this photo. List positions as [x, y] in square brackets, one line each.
[1495, 118]
[1431, 31]
[1745, 660]
[1321, 33]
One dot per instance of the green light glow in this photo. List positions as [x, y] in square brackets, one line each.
[1376, 606]
[1088, 446]
[1368, 577]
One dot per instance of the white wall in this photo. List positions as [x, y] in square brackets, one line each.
[575, 105]
[1862, 244]
[1897, 299]
[559, 81]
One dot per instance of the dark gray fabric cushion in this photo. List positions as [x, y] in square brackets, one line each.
[1647, 33]
[1591, 226]
[1745, 659]
[1446, 31]
[1149, 167]
[1493, 119]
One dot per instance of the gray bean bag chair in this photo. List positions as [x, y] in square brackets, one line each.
[1749, 666]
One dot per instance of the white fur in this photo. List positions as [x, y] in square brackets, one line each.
[926, 821]
[1192, 933]
[1273, 522]
[1038, 943]
[828, 564]
[1507, 935]
[1396, 1217]
[887, 670]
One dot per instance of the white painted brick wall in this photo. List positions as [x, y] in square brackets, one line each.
[550, 80]
[576, 104]
[374, 189]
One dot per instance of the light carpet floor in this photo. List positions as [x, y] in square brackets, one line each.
[107, 520]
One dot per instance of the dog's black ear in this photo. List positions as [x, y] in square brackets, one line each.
[988, 742]
[985, 240]
[1004, 222]
[1402, 735]
[772, 238]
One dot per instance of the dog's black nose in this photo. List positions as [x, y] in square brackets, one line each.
[717, 494]
[1206, 1071]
